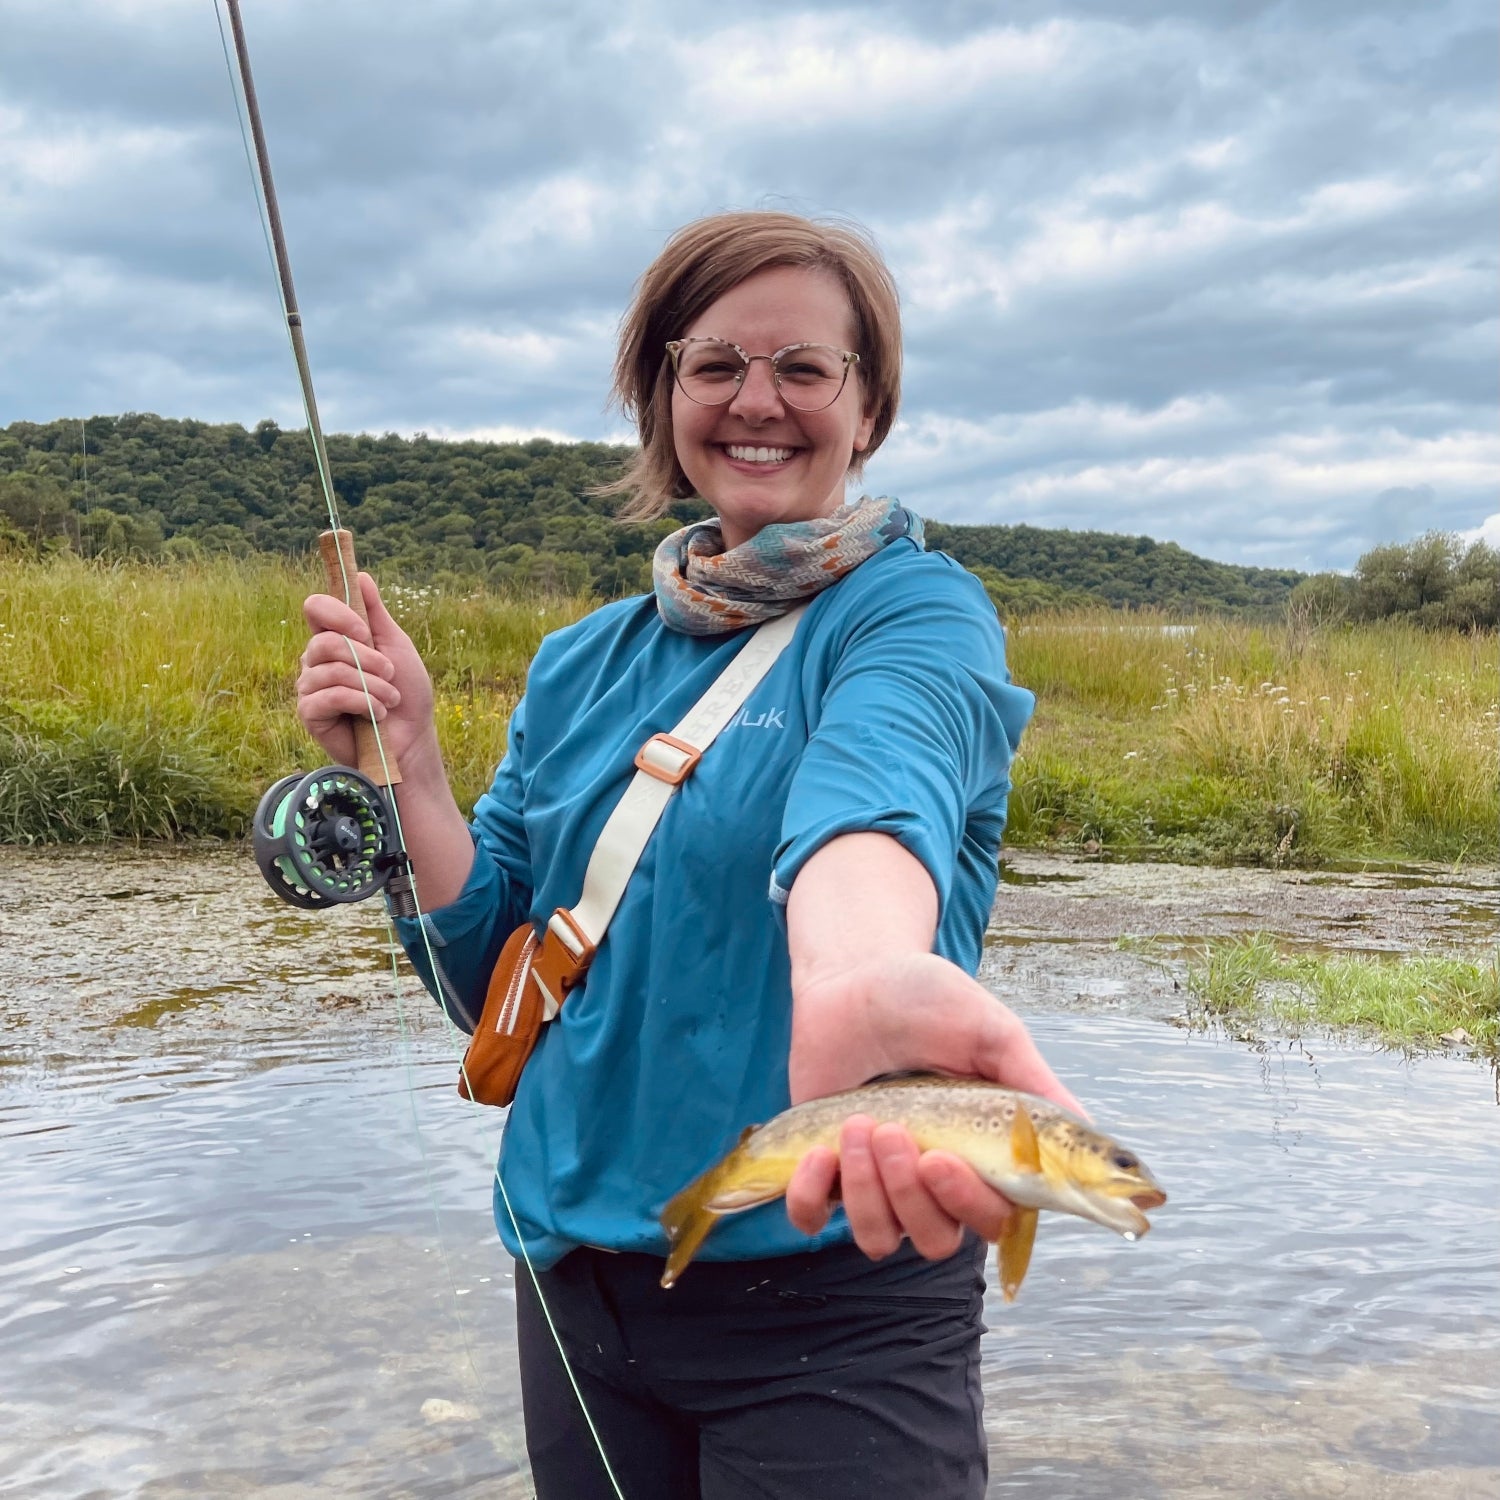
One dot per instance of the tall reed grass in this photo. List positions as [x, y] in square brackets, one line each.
[144, 701]
[1219, 739]
[141, 701]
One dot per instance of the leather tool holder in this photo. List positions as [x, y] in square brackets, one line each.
[530, 981]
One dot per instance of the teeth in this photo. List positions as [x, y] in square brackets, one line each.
[760, 455]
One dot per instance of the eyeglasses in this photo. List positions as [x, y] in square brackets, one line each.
[808, 376]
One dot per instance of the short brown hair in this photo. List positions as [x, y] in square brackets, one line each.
[698, 265]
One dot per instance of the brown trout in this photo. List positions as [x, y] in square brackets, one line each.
[1035, 1152]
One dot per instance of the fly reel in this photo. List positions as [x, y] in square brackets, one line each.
[329, 837]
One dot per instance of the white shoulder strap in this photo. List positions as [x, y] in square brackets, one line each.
[663, 763]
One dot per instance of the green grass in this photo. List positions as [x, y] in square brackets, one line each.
[1268, 744]
[142, 701]
[145, 701]
[1405, 1000]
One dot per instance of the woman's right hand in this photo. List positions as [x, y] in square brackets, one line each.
[329, 690]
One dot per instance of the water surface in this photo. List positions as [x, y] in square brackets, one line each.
[244, 1219]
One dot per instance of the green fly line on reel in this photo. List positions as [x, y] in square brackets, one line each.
[328, 837]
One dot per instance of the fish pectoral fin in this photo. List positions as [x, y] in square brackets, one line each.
[735, 1200]
[1024, 1148]
[1015, 1250]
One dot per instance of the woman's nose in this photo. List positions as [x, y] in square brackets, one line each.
[757, 398]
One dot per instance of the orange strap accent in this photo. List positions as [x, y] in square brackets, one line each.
[667, 758]
[562, 958]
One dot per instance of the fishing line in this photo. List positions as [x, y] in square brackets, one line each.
[263, 186]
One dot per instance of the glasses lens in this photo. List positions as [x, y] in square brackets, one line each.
[709, 372]
[811, 376]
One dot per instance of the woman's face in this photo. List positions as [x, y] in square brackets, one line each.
[809, 452]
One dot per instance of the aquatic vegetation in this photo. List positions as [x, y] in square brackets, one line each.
[1406, 999]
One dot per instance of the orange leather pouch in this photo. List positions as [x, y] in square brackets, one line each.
[509, 1025]
[518, 1003]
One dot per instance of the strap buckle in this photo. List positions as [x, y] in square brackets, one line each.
[668, 759]
[562, 957]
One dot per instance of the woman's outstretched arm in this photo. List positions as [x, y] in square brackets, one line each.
[870, 997]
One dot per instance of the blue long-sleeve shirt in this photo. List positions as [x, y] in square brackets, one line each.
[891, 710]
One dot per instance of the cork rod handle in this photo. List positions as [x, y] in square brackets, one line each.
[333, 545]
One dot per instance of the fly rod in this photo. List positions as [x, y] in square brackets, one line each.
[331, 836]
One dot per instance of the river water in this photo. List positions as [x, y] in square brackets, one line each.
[245, 1245]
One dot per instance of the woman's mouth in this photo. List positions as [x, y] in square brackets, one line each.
[745, 453]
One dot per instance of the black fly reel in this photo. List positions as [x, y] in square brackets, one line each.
[329, 837]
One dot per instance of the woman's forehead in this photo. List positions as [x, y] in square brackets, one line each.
[778, 306]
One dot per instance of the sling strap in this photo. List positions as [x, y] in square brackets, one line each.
[663, 763]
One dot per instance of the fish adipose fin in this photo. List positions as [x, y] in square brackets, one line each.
[1015, 1250]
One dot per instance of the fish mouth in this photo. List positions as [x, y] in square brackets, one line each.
[1151, 1198]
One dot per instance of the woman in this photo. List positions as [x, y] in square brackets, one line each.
[808, 914]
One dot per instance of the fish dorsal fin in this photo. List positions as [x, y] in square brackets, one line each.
[1024, 1150]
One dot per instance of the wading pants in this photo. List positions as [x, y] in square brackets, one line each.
[813, 1377]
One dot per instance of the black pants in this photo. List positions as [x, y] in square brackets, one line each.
[826, 1376]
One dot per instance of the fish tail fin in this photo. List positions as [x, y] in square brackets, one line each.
[687, 1220]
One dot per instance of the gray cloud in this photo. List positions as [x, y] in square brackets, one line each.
[1224, 275]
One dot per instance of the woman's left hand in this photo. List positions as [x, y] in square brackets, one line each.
[901, 1011]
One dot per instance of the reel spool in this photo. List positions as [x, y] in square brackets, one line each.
[328, 837]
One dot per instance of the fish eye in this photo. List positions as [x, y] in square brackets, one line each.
[1125, 1161]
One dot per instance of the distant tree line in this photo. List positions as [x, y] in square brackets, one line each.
[1040, 568]
[1438, 581]
[502, 513]
[525, 515]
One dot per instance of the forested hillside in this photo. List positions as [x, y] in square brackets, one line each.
[1121, 570]
[506, 513]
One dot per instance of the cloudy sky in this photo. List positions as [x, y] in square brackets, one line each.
[1219, 271]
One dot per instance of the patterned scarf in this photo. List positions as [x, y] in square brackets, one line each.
[702, 589]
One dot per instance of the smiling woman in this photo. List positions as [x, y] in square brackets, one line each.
[757, 273]
[805, 913]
